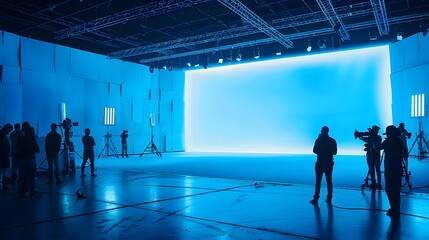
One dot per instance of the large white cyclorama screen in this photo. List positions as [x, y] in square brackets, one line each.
[279, 106]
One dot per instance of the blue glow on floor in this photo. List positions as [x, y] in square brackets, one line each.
[280, 105]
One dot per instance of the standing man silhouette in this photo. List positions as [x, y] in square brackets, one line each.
[88, 153]
[52, 148]
[124, 137]
[393, 147]
[325, 147]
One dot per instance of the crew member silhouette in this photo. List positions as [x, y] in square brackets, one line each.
[404, 135]
[88, 153]
[5, 149]
[392, 168]
[325, 147]
[27, 148]
[52, 148]
[14, 135]
[124, 137]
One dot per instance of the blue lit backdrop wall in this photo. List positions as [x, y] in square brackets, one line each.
[280, 105]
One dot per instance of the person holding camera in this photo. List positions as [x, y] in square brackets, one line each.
[325, 147]
[392, 168]
[88, 153]
[373, 157]
[124, 137]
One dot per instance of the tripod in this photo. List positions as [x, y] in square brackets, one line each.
[151, 147]
[406, 175]
[112, 147]
[420, 139]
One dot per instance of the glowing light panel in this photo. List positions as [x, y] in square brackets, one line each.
[109, 116]
[418, 105]
[281, 105]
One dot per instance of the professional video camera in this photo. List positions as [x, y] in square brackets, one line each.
[67, 125]
[358, 134]
[366, 137]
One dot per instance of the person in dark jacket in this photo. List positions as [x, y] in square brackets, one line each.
[88, 153]
[325, 147]
[27, 148]
[124, 137]
[393, 147]
[14, 135]
[52, 148]
[5, 150]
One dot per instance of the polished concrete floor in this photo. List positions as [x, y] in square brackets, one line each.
[213, 196]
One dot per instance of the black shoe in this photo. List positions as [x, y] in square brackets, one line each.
[328, 201]
[314, 201]
[93, 175]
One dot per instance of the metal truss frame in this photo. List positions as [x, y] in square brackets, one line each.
[333, 18]
[380, 14]
[250, 17]
[295, 36]
[293, 21]
[144, 11]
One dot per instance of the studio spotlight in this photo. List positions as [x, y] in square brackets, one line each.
[189, 64]
[238, 58]
[170, 68]
[399, 36]
[278, 53]
[322, 44]
[197, 65]
[309, 46]
[423, 30]
[165, 67]
[151, 69]
[220, 60]
[372, 36]
[256, 55]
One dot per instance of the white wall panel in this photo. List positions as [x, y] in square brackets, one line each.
[84, 64]
[62, 60]
[11, 75]
[9, 50]
[10, 103]
[397, 57]
[109, 70]
[411, 51]
[37, 55]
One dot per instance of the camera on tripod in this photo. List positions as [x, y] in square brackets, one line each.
[366, 136]
[67, 125]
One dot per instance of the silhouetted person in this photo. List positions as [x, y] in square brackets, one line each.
[52, 148]
[392, 168]
[5, 150]
[404, 135]
[27, 148]
[14, 135]
[325, 147]
[88, 152]
[124, 137]
[373, 157]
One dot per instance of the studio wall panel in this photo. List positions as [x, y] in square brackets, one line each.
[91, 103]
[165, 112]
[178, 126]
[11, 75]
[154, 80]
[62, 60]
[178, 87]
[84, 64]
[165, 79]
[137, 109]
[397, 57]
[146, 76]
[166, 95]
[37, 55]
[10, 103]
[38, 92]
[109, 70]
[9, 50]
[423, 48]
[411, 51]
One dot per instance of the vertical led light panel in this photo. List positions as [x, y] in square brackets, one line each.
[109, 116]
[418, 105]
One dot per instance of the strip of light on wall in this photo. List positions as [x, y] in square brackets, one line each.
[109, 116]
[418, 105]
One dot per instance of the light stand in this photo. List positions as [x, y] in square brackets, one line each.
[420, 140]
[151, 147]
[108, 139]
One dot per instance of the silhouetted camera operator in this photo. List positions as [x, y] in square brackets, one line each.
[370, 138]
[404, 135]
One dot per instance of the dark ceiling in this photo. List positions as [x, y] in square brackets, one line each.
[172, 33]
